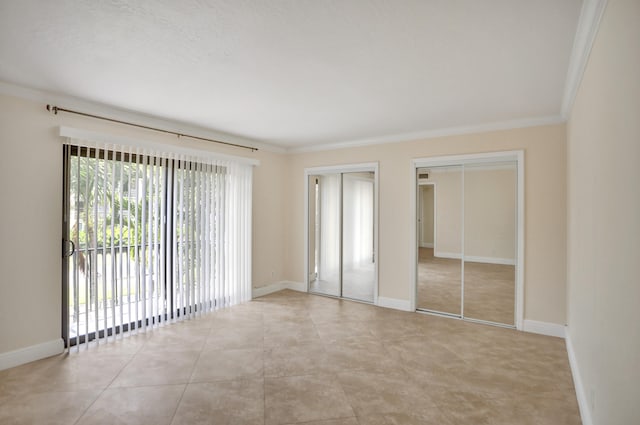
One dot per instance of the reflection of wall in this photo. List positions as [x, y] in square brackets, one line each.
[490, 214]
[426, 220]
[489, 209]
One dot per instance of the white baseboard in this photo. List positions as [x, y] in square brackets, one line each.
[426, 245]
[394, 303]
[30, 354]
[278, 286]
[296, 286]
[581, 394]
[490, 260]
[444, 254]
[544, 328]
[267, 289]
[476, 258]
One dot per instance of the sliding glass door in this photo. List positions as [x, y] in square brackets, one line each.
[115, 245]
[145, 238]
[341, 234]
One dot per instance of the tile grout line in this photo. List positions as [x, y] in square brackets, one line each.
[193, 369]
[346, 398]
[394, 343]
[264, 379]
[334, 375]
[84, 412]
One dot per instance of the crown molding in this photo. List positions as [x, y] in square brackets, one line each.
[96, 108]
[430, 134]
[588, 24]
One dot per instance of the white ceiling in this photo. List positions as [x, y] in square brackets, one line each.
[296, 73]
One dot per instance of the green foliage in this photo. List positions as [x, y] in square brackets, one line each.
[106, 206]
[108, 199]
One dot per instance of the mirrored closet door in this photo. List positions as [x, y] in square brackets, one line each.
[325, 222]
[440, 216]
[490, 242]
[341, 259]
[467, 230]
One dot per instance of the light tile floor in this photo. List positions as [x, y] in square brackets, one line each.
[291, 358]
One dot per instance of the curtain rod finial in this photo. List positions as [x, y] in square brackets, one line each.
[53, 109]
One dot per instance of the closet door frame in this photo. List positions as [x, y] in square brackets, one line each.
[338, 169]
[468, 159]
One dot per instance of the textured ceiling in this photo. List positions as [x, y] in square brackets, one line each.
[299, 72]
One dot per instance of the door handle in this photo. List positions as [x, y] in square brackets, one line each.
[73, 248]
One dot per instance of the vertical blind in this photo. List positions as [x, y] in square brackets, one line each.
[330, 213]
[357, 221]
[152, 237]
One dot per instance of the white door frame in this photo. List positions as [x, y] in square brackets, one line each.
[435, 208]
[450, 160]
[346, 168]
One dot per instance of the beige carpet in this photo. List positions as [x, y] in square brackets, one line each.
[489, 288]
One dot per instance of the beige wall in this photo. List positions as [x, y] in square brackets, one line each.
[31, 212]
[604, 220]
[490, 205]
[28, 135]
[31, 196]
[545, 213]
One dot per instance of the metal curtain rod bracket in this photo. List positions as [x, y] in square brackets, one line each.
[55, 110]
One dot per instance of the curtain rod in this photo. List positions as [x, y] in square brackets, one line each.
[56, 109]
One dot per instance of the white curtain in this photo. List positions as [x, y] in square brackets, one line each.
[329, 259]
[357, 221]
[159, 236]
[238, 231]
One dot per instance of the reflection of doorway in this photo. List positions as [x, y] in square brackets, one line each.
[341, 231]
[426, 215]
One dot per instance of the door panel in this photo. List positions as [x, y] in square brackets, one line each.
[471, 271]
[358, 261]
[325, 232]
[440, 267]
[341, 254]
[490, 242]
